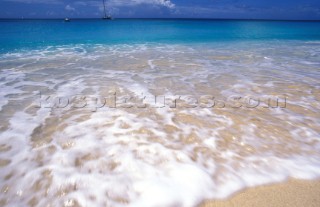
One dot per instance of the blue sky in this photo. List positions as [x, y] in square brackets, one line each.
[257, 9]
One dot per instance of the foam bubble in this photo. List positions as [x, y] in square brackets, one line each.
[162, 154]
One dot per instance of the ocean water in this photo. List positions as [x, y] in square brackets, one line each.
[17, 34]
[155, 112]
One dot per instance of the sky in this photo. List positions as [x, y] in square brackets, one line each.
[226, 9]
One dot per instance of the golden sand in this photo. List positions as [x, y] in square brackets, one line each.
[294, 193]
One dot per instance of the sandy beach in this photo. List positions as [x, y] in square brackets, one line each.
[159, 113]
[292, 193]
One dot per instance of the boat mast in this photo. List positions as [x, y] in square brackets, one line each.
[104, 8]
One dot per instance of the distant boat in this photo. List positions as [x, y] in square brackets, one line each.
[67, 20]
[106, 17]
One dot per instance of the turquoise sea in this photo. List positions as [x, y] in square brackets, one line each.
[155, 112]
[16, 34]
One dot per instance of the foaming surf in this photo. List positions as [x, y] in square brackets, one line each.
[156, 124]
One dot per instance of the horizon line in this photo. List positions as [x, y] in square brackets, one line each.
[164, 18]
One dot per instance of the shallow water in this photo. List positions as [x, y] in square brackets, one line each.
[110, 150]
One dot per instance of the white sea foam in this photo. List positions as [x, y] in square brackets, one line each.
[158, 155]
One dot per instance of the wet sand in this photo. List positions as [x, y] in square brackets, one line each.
[98, 147]
[292, 193]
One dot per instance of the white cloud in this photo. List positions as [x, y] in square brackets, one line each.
[110, 4]
[166, 3]
[69, 8]
[127, 3]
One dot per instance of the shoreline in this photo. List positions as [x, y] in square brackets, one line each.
[290, 193]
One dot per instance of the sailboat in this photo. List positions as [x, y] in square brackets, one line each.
[105, 17]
